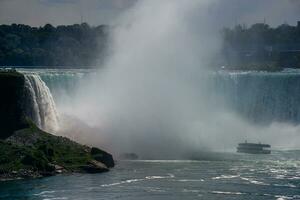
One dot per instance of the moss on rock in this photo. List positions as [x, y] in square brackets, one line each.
[37, 153]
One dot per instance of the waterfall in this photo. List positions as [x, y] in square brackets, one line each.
[261, 97]
[41, 106]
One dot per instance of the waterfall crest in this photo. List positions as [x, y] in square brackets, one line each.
[260, 97]
[41, 107]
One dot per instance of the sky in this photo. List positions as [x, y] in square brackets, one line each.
[97, 12]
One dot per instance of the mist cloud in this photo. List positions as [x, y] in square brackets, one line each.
[152, 96]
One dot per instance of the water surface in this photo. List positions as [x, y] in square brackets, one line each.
[275, 176]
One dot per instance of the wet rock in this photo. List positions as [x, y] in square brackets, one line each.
[94, 166]
[57, 168]
[102, 157]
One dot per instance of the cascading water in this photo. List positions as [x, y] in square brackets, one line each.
[266, 99]
[41, 106]
[63, 83]
[261, 97]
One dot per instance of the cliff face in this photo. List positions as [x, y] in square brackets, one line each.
[12, 115]
[26, 150]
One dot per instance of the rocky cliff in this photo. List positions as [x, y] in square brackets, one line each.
[12, 115]
[27, 151]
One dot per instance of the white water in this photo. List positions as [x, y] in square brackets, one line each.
[41, 107]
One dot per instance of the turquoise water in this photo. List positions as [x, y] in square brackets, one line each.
[259, 97]
[275, 176]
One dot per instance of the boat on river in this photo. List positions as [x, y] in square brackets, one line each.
[253, 148]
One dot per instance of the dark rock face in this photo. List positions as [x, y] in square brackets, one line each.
[94, 166]
[103, 157]
[12, 115]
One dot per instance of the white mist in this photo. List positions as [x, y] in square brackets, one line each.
[150, 97]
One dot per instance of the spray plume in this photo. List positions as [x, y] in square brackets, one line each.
[152, 96]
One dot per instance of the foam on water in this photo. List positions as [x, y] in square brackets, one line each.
[137, 180]
[162, 180]
[191, 180]
[227, 193]
[225, 177]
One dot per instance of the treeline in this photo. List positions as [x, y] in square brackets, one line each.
[261, 46]
[80, 45]
[62, 46]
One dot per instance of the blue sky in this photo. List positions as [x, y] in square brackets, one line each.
[95, 12]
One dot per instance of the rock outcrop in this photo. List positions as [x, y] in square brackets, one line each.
[31, 152]
[12, 113]
[26, 151]
[103, 157]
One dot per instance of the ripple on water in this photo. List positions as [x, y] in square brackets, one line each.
[191, 180]
[225, 177]
[227, 193]
[49, 195]
[154, 189]
[285, 185]
[137, 180]
[250, 180]
[281, 197]
[122, 182]
[294, 178]
[45, 192]
[192, 191]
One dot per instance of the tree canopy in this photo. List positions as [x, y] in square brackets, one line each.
[261, 44]
[62, 46]
[80, 45]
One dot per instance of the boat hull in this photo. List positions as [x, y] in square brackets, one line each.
[253, 148]
[254, 151]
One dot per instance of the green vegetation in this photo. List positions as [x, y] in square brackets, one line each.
[62, 46]
[261, 47]
[31, 152]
